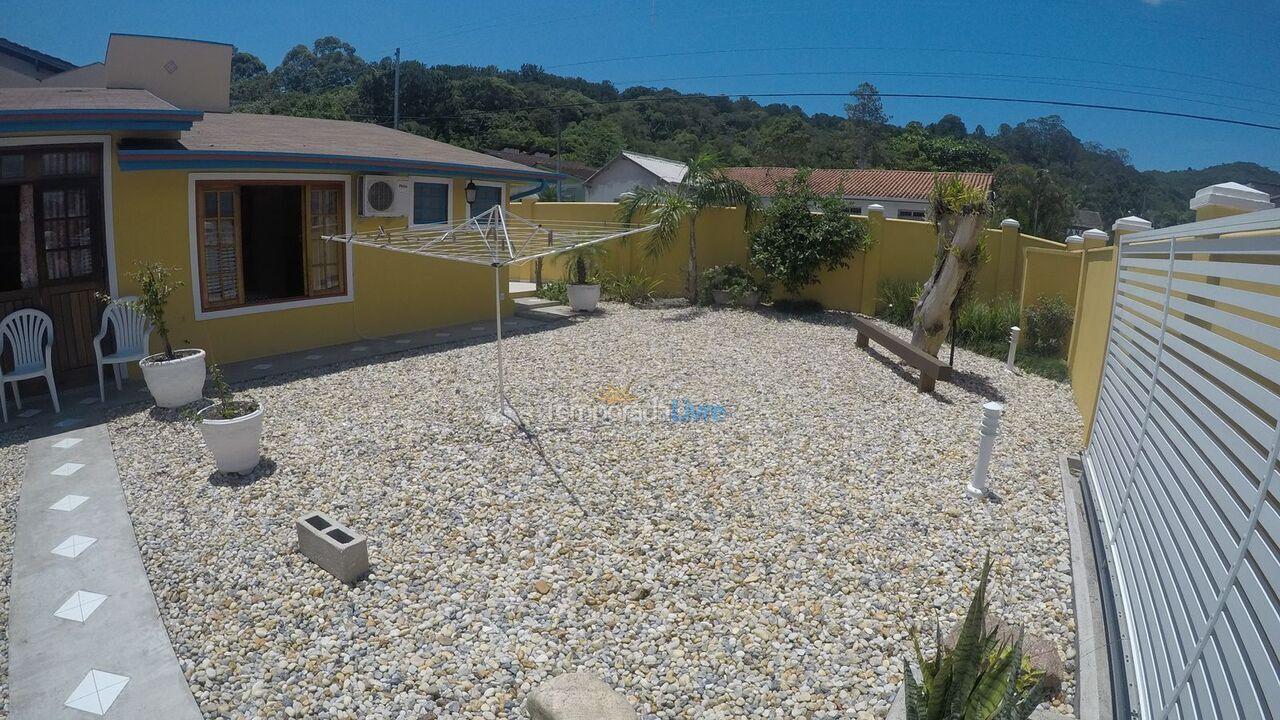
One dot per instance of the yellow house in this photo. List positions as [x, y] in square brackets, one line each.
[94, 180]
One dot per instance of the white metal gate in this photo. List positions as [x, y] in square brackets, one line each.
[1182, 467]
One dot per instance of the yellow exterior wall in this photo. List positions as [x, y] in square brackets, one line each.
[904, 250]
[1046, 273]
[1097, 279]
[393, 292]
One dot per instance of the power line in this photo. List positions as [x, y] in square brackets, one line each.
[1038, 80]
[932, 96]
[885, 48]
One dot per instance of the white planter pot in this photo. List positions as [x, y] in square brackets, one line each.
[584, 298]
[236, 443]
[174, 383]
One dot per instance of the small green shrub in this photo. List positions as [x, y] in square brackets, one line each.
[555, 290]
[897, 301]
[795, 243]
[732, 279]
[155, 284]
[1049, 325]
[980, 323]
[980, 678]
[631, 288]
[583, 263]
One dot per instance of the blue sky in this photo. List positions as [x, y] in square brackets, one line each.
[1211, 57]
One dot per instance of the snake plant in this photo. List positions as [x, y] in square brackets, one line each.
[981, 678]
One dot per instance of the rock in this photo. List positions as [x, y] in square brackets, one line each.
[578, 696]
[542, 587]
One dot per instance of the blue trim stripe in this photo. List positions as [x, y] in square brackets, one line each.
[174, 113]
[47, 125]
[171, 160]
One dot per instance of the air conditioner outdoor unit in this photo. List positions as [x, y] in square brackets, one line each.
[383, 195]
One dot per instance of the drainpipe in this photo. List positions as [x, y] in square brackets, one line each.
[542, 185]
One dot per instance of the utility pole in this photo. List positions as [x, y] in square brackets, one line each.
[559, 180]
[395, 122]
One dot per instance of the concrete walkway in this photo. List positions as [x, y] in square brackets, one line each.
[85, 636]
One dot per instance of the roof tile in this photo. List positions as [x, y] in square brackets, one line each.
[904, 184]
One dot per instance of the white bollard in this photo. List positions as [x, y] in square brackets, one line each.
[987, 432]
[1014, 332]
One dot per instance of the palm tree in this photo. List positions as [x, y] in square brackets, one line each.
[705, 185]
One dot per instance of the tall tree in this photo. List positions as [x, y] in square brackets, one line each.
[1035, 199]
[704, 186]
[869, 124]
[960, 212]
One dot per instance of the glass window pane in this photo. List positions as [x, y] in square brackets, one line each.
[11, 166]
[430, 203]
[210, 204]
[227, 203]
[486, 197]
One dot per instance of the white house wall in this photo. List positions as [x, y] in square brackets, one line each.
[618, 177]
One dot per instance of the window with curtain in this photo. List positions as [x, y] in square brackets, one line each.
[430, 202]
[263, 242]
[486, 197]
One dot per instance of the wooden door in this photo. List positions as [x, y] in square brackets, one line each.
[59, 241]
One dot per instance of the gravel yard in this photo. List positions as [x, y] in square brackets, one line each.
[769, 565]
[13, 458]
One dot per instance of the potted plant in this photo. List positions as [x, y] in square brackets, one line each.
[582, 261]
[731, 284]
[174, 378]
[232, 428]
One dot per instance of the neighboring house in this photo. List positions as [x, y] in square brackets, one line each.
[631, 170]
[573, 171]
[95, 180]
[21, 66]
[1271, 189]
[1085, 220]
[903, 193]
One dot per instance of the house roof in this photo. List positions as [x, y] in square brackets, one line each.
[1089, 219]
[544, 161]
[899, 184]
[60, 98]
[33, 56]
[282, 141]
[56, 108]
[672, 171]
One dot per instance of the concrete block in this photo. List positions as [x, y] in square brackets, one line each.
[578, 696]
[341, 551]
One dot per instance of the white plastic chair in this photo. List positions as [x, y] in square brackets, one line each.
[29, 333]
[132, 335]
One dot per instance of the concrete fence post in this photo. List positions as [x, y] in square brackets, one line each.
[1094, 239]
[871, 260]
[1074, 242]
[1007, 256]
[987, 431]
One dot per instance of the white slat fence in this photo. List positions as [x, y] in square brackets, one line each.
[1182, 466]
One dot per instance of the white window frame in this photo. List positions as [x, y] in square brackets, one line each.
[447, 182]
[108, 164]
[194, 240]
[502, 188]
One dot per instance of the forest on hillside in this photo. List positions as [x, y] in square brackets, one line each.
[1044, 173]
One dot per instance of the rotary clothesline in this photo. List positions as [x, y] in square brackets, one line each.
[495, 238]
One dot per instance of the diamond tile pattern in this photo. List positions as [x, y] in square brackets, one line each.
[67, 469]
[68, 503]
[74, 545]
[80, 605]
[65, 443]
[96, 692]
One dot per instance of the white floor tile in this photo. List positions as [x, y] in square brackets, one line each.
[67, 469]
[74, 545]
[96, 692]
[80, 605]
[262, 366]
[359, 348]
[313, 357]
[68, 503]
[88, 401]
[67, 423]
[32, 412]
[403, 341]
[67, 443]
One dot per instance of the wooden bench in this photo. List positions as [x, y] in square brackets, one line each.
[931, 368]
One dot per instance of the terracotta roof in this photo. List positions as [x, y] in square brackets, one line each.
[59, 98]
[272, 134]
[904, 184]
